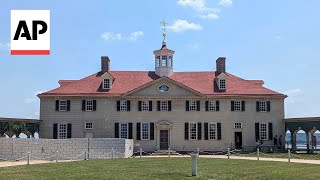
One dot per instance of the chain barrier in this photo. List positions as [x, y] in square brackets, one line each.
[71, 158]
[45, 158]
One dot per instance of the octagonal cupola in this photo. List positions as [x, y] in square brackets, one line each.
[163, 57]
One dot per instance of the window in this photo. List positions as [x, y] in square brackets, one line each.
[237, 125]
[163, 88]
[157, 61]
[262, 106]
[163, 105]
[123, 105]
[263, 131]
[237, 105]
[192, 105]
[222, 84]
[62, 133]
[145, 105]
[106, 84]
[88, 125]
[123, 131]
[212, 106]
[170, 61]
[164, 61]
[212, 131]
[144, 131]
[193, 130]
[62, 105]
[89, 105]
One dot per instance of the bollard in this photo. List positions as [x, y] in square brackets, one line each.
[194, 163]
[258, 154]
[168, 152]
[289, 154]
[112, 153]
[28, 160]
[57, 156]
[85, 154]
[198, 151]
[228, 153]
[140, 152]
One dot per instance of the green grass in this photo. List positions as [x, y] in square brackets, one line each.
[282, 155]
[163, 168]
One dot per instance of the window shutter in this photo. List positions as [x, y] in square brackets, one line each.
[69, 130]
[94, 105]
[169, 105]
[150, 105]
[219, 130]
[232, 105]
[217, 105]
[199, 130]
[198, 105]
[206, 131]
[258, 106]
[130, 130]
[139, 105]
[128, 105]
[138, 131]
[187, 105]
[158, 105]
[68, 105]
[243, 105]
[55, 131]
[151, 131]
[270, 131]
[257, 130]
[116, 130]
[268, 106]
[118, 105]
[57, 105]
[83, 105]
[186, 131]
[207, 106]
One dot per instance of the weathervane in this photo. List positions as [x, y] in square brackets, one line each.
[164, 24]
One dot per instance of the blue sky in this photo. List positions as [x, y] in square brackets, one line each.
[276, 41]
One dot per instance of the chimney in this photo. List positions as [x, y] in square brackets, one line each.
[221, 65]
[105, 64]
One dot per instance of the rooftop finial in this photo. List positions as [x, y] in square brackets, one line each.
[163, 24]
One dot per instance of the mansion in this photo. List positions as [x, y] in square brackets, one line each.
[162, 108]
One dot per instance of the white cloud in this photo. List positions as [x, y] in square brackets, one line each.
[193, 45]
[210, 16]
[182, 25]
[34, 98]
[225, 2]
[5, 46]
[109, 36]
[198, 5]
[293, 92]
[37, 114]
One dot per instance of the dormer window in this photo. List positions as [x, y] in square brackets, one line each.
[222, 84]
[106, 84]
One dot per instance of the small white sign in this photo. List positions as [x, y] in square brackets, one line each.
[30, 32]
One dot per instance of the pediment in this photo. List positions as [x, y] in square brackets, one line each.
[222, 76]
[107, 75]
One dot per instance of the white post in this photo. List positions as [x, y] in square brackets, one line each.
[112, 153]
[57, 156]
[228, 153]
[140, 152]
[28, 159]
[258, 153]
[194, 164]
[85, 154]
[168, 152]
[289, 155]
[198, 151]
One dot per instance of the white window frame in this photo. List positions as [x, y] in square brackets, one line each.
[212, 106]
[62, 131]
[192, 132]
[170, 61]
[237, 105]
[123, 105]
[63, 105]
[106, 83]
[164, 59]
[88, 125]
[164, 105]
[89, 105]
[158, 61]
[222, 84]
[212, 132]
[144, 105]
[192, 105]
[123, 126]
[237, 125]
[262, 106]
[145, 133]
[263, 132]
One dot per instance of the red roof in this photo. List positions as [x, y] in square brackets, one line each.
[126, 81]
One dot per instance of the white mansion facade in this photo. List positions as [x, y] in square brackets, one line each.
[162, 108]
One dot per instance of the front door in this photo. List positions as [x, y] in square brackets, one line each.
[164, 139]
[238, 139]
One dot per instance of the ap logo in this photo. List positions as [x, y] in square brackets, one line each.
[30, 32]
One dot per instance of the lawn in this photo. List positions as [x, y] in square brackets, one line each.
[163, 168]
[282, 155]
